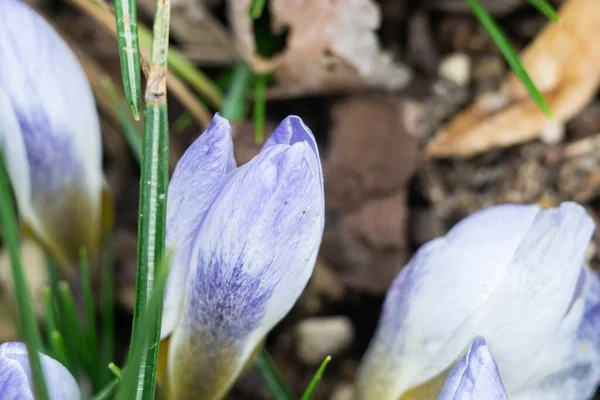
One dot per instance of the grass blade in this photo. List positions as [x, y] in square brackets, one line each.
[271, 376]
[260, 105]
[152, 215]
[88, 302]
[149, 321]
[130, 129]
[234, 107]
[58, 345]
[129, 52]
[74, 334]
[257, 8]
[545, 9]
[107, 309]
[108, 391]
[509, 54]
[310, 390]
[28, 324]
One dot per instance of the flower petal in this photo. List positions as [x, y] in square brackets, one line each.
[14, 384]
[576, 375]
[196, 182]
[416, 339]
[292, 130]
[475, 376]
[536, 293]
[59, 382]
[53, 103]
[253, 257]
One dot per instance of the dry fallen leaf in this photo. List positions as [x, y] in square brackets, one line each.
[564, 63]
[332, 45]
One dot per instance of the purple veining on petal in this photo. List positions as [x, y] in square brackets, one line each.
[475, 376]
[60, 383]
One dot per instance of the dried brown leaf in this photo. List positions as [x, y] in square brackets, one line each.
[564, 63]
[332, 45]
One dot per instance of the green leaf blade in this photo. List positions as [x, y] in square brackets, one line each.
[129, 52]
[509, 54]
[545, 9]
[312, 387]
[271, 376]
[28, 324]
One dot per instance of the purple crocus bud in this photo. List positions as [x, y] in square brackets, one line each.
[50, 133]
[15, 375]
[513, 274]
[475, 376]
[245, 241]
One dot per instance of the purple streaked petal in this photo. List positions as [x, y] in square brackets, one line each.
[14, 384]
[60, 383]
[254, 254]
[53, 104]
[196, 182]
[475, 376]
[416, 339]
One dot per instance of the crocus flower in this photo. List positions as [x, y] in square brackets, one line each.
[475, 376]
[50, 133]
[15, 375]
[513, 274]
[245, 242]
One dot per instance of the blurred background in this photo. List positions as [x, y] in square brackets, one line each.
[418, 120]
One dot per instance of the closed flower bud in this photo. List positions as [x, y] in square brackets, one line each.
[245, 241]
[49, 133]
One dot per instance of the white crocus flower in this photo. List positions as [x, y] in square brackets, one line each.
[513, 274]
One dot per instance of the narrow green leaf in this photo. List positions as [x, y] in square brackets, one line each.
[74, 334]
[182, 122]
[271, 376]
[108, 391]
[116, 371]
[107, 308]
[148, 324]
[260, 105]
[28, 324]
[234, 107]
[60, 353]
[310, 390]
[545, 8]
[152, 214]
[509, 54]
[133, 135]
[50, 314]
[256, 8]
[88, 302]
[129, 52]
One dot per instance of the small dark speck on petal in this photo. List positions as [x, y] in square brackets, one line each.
[285, 202]
[304, 212]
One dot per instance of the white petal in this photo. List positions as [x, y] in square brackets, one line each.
[532, 301]
[433, 307]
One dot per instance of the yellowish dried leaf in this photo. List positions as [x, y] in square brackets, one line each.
[564, 63]
[332, 45]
